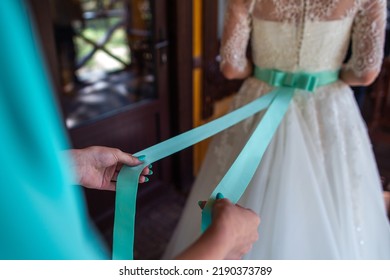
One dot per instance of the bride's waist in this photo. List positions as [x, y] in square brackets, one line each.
[308, 81]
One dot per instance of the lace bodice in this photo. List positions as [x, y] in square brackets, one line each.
[307, 35]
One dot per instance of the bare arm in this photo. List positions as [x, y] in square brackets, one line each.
[230, 236]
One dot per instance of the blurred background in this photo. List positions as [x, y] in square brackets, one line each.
[132, 73]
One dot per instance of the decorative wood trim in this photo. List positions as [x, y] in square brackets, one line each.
[181, 84]
[197, 62]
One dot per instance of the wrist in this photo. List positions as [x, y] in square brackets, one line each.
[221, 239]
[76, 165]
[211, 245]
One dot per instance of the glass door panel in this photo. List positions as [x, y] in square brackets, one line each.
[106, 56]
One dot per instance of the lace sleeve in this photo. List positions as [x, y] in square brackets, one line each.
[236, 32]
[368, 37]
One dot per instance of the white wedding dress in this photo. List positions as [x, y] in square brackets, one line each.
[317, 188]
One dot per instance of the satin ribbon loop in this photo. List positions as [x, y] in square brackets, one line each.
[289, 80]
[305, 81]
[276, 78]
[300, 80]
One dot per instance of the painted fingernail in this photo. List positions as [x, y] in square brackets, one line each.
[141, 158]
[150, 166]
[150, 172]
[201, 204]
[146, 180]
[219, 196]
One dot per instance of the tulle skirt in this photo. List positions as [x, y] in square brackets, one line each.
[317, 189]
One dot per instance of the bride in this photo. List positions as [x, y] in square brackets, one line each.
[317, 188]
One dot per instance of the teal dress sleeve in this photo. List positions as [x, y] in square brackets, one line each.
[42, 215]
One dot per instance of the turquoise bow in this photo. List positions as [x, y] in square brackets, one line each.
[235, 181]
[298, 80]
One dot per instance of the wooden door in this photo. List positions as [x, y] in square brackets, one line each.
[215, 85]
[124, 103]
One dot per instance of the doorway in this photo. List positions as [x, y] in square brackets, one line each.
[140, 95]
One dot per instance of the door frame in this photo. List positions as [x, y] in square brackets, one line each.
[180, 27]
[215, 86]
[176, 15]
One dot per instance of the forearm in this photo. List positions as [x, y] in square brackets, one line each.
[210, 246]
[348, 76]
[230, 72]
[230, 235]
[72, 158]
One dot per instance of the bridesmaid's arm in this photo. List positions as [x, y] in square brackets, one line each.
[230, 235]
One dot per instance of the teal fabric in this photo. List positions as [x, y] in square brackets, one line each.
[296, 80]
[235, 181]
[42, 215]
[127, 181]
[239, 175]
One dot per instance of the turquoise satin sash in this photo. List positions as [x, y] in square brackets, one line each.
[235, 181]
